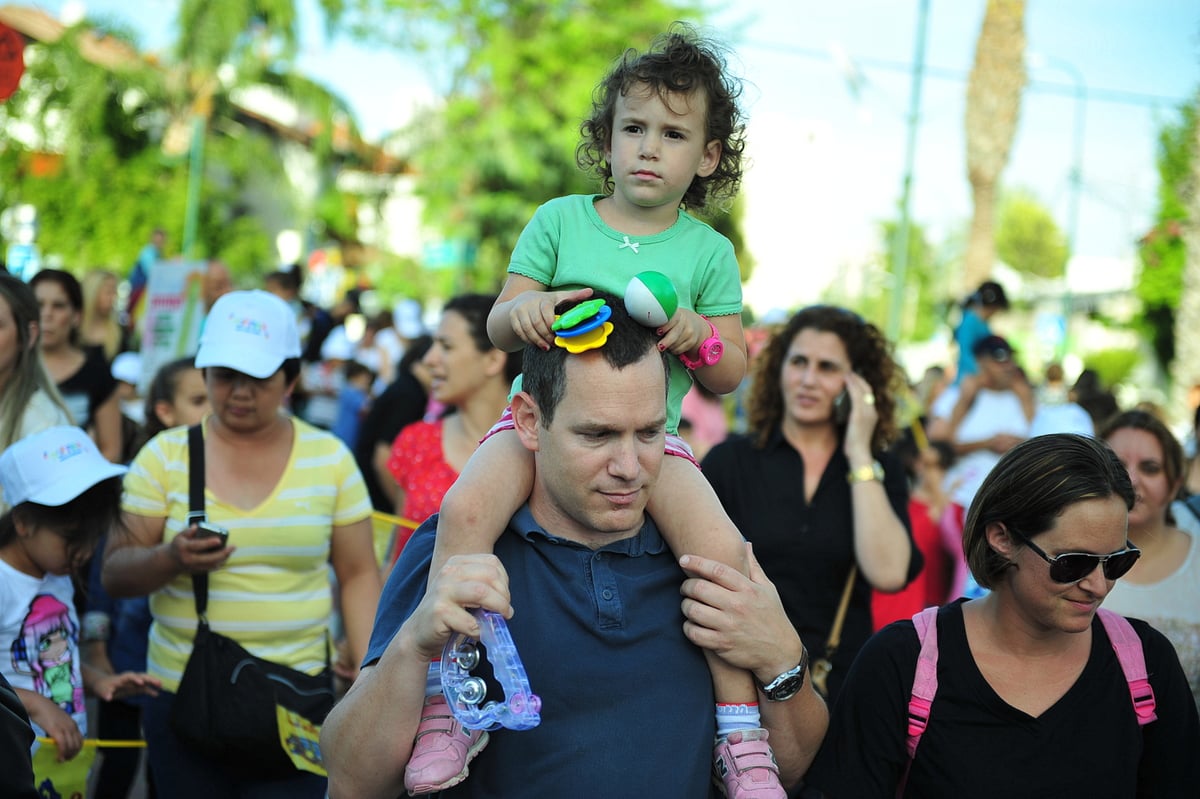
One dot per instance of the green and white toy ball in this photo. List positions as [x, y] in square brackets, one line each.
[650, 298]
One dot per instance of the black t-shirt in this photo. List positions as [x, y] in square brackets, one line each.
[401, 403]
[806, 549]
[89, 388]
[977, 745]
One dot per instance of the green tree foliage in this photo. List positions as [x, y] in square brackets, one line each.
[923, 304]
[86, 160]
[1114, 366]
[1027, 237]
[516, 81]
[95, 159]
[1162, 251]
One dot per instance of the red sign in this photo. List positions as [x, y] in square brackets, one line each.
[12, 61]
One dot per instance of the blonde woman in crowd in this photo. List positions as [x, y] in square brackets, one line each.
[101, 327]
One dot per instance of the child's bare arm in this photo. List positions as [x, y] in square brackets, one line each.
[477, 508]
[54, 720]
[687, 330]
[691, 518]
[693, 522]
[524, 312]
[968, 388]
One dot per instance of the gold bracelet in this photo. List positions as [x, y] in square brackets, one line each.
[865, 474]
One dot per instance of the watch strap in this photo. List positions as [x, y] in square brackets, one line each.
[865, 474]
[713, 341]
[794, 675]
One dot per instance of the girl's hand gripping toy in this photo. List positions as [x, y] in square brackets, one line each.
[520, 709]
[651, 298]
[584, 327]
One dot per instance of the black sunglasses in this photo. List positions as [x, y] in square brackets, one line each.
[1071, 567]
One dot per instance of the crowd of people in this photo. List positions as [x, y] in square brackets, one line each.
[730, 566]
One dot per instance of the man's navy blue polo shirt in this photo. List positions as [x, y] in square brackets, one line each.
[627, 702]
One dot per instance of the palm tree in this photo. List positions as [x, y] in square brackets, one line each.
[993, 107]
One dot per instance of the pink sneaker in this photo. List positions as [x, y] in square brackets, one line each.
[442, 749]
[745, 767]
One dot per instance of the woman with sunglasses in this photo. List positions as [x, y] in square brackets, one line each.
[1028, 678]
[1164, 587]
[813, 487]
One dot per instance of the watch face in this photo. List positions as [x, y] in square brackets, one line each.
[711, 352]
[787, 688]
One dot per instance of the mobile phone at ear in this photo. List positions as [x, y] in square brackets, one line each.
[210, 530]
[841, 407]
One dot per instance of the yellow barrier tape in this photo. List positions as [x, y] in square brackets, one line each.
[103, 743]
[388, 518]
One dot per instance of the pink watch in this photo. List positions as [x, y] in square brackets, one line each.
[711, 350]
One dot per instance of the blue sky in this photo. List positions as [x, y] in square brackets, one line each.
[827, 163]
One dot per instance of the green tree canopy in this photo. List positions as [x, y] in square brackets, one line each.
[1027, 237]
[516, 81]
[94, 156]
[1162, 252]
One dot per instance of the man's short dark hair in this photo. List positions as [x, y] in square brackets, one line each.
[544, 371]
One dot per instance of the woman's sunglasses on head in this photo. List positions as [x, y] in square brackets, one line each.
[1071, 567]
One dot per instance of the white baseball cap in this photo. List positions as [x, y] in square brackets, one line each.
[337, 345]
[252, 332]
[53, 467]
[127, 367]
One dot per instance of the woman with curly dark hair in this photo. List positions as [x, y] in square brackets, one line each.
[812, 485]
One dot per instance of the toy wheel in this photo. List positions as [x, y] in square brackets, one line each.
[473, 691]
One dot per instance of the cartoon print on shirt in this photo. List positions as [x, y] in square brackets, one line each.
[46, 648]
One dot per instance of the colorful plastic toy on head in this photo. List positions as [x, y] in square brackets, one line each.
[579, 314]
[651, 298]
[602, 315]
[587, 341]
[521, 708]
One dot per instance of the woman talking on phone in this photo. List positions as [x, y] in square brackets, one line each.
[811, 487]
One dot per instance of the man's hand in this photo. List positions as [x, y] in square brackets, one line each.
[740, 618]
[465, 582]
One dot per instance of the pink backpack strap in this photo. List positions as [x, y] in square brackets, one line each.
[1128, 646]
[924, 687]
[925, 682]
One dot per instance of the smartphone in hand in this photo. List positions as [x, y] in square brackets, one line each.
[841, 407]
[207, 529]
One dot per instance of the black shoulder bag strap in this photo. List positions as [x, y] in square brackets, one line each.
[196, 512]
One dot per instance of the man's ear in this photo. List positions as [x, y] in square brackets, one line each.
[34, 330]
[527, 418]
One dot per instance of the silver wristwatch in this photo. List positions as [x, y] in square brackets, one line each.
[788, 684]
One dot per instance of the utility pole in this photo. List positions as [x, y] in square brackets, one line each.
[901, 237]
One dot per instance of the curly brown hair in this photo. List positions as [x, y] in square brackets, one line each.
[870, 355]
[678, 62]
